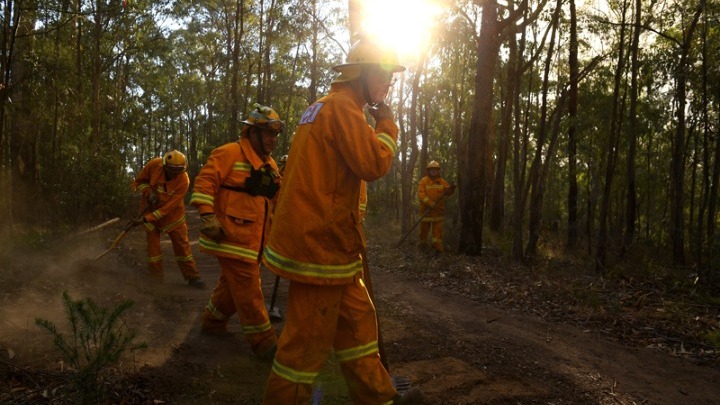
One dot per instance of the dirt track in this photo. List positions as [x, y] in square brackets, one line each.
[458, 351]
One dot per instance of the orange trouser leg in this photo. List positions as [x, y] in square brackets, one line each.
[424, 230]
[356, 348]
[321, 319]
[437, 235]
[219, 309]
[183, 252]
[154, 254]
[239, 291]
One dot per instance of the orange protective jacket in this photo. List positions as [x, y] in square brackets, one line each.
[218, 189]
[316, 237]
[430, 192]
[170, 211]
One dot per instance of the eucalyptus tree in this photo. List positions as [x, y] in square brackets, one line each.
[493, 27]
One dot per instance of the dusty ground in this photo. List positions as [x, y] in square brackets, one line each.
[464, 330]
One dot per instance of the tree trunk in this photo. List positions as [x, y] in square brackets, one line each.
[572, 231]
[600, 254]
[536, 178]
[631, 202]
[677, 165]
[474, 190]
[497, 210]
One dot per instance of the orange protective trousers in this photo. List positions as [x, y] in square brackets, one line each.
[181, 248]
[321, 319]
[437, 233]
[239, 291]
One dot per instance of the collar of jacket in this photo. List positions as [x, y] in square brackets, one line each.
[347, 88]
[256, 161]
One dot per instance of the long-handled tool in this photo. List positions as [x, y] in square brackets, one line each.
[94, 228]
[273, 311]
[401, 383]
[420, 220]
[131, 224]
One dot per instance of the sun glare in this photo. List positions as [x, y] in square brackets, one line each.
[406, 24]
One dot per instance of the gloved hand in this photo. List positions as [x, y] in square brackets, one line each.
[380, 111]
[450, 190]
[153, 198]
[138, 220]
[211, 227]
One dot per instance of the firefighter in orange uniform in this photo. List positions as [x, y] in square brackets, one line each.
[164, 183]
[316, 237]
[431, 192]
[234, 194]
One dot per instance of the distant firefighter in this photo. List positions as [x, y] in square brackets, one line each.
[432, 191]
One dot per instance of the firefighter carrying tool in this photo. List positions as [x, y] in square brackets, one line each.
[163, 183]
[316, 243]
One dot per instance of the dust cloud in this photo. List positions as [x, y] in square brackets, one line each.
[33, 282]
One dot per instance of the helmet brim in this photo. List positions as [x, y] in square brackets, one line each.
[387, 67]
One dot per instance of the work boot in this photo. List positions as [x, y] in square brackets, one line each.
[214, 328]
[267, 354]
[413, 396]
[196, 282]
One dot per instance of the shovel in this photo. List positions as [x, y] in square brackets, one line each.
[273, 311]
[131, 224]
[401, 383]
[94, 228]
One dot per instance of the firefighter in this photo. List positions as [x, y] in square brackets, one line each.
[432, 191]
[164, 183]
[316, 237]
[234, 193]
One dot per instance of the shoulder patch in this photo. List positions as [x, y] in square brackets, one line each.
[311, 113]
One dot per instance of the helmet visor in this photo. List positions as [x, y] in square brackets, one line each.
[175, 169]
[274, 125]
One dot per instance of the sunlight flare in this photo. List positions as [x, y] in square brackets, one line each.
[407, 25]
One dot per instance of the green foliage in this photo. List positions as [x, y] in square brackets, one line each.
[713, 338]
[97, 341]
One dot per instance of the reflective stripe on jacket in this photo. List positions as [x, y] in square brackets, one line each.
[244, 218]
[430, 192]
[170, 210]
[316, 235]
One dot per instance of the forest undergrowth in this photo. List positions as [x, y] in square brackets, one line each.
[641, 301]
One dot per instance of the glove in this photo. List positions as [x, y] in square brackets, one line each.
[211, 227]
[153, 198]
[450, 190]
[138, 220]
[380, 111]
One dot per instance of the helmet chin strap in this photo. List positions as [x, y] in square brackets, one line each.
[256, 134]
[366, 91]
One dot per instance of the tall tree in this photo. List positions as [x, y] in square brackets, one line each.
[611, 150]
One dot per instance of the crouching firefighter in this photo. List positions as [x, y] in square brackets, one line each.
[234, 194]
[164, 183]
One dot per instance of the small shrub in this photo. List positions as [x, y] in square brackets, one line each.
[98, 340]
[713, 338]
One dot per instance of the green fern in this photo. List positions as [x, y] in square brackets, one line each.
[98, 340]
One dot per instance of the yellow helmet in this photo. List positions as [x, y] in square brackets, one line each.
[264, 117]
[433, 165]
[367, 52]
[174, 162]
